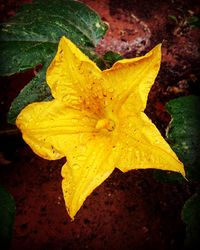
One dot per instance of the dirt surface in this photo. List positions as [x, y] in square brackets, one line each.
[128, 211]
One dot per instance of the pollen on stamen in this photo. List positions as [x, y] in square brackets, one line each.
[105, 124]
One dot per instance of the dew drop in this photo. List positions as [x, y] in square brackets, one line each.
[30, 120]
[130, 149]
[118, 144]
[75, 166]
[111, 90]
[82, 148]
[97, 24]
[129, 125]
[81, 158]
[83, 139]
[57, 155]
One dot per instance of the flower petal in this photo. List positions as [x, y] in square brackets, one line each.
[132, 77]
[140, 146]
[50, 128]
[87, 167]
[72, 76]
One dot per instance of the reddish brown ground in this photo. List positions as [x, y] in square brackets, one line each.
[128, 211]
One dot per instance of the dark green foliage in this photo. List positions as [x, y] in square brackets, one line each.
[18, 56]
[191, 217]
[111, 57]
[168, 176]
[31, 38]
[173, 18]
[184, 134]
[36, 90]
[194, 21]
[7, 215]
[34, 32]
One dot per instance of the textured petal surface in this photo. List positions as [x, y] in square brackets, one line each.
[140, 146]
[132, 78]
[50, 128]
[87, 167]
[74, 78]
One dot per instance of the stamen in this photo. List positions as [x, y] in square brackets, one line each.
[105, 124]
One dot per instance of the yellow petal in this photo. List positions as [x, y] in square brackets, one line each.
[87, 167]
[73, 77]
[140, 146]
[51, 129]
[132, 77]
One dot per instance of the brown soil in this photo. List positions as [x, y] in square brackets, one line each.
[128, 211]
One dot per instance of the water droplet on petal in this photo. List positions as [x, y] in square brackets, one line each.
[82, 148]
[56, 154]
[111, 90]
[83, 139]
[75, 166]
[118, 144]
[129, 125]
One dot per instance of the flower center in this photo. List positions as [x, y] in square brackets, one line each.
[105, 124]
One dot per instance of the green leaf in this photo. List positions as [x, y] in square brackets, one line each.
[183, 133]
[7, 215]
[33, 34]
[36, 90]
[191, 217]
[194, 22]
[111, 57]
[174, 18]
[31, 38]
[168, 177]
[18, 56]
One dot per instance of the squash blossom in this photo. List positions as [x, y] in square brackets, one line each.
[97, 121]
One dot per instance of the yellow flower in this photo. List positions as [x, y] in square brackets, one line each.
[97, 121]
